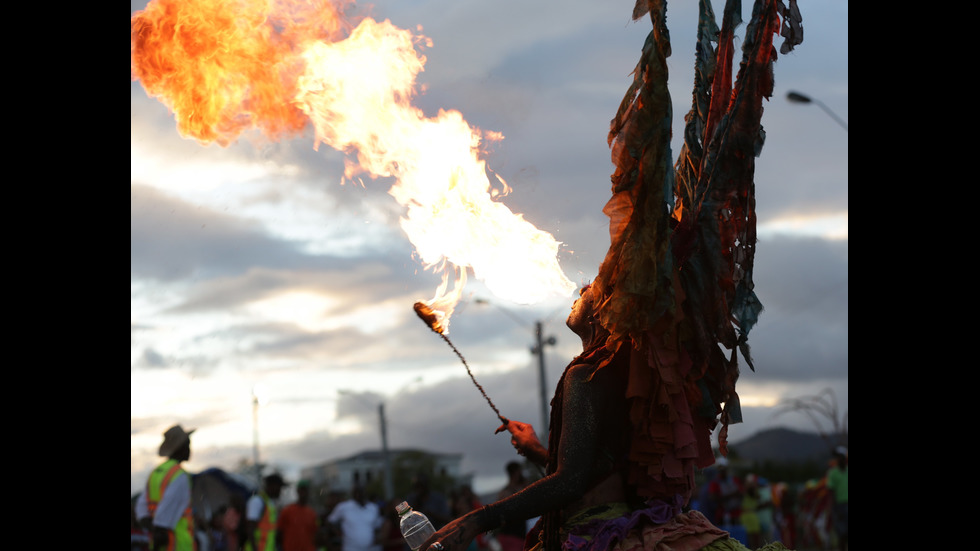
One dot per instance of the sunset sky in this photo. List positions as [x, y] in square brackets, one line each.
[256, 269]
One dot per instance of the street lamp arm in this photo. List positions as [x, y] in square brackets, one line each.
[833, 115]
[796, 97]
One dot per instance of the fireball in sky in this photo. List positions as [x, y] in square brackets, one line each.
[280, 66]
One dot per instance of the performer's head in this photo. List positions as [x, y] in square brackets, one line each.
[580, 320]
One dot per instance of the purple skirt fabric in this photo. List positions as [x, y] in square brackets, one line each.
[602, 533]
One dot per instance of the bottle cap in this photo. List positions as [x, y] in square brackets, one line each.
[402, 507]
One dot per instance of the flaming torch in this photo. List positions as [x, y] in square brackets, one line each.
[429, 317]
[226, 66]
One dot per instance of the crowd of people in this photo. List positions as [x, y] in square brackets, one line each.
[162, 517]
[811, 516]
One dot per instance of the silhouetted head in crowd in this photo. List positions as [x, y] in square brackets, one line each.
[358, 494]
[176, 443]
[273, 485]
[840, 457]
[303, 492]
[515, 471]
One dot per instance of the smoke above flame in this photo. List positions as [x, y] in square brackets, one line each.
[224, 67]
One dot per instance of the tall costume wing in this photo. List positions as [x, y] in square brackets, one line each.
[676, 284]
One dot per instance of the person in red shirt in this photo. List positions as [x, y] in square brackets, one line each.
[726, 489]
[298, 522]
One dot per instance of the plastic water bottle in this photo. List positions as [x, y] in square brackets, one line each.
[415, 526]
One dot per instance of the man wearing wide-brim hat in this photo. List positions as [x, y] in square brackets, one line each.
[165, 505]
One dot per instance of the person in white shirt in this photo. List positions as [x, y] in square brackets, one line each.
[358, 520]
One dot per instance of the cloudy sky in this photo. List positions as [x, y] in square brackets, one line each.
[256, 270]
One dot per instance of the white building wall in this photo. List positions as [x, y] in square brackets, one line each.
[338, 474]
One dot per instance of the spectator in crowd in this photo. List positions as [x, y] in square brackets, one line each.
[784, 513]
[749, 512]
[139, 538]
[298, 523]
[464, 501]
[726, 492]
[704, 501]
[390, 535]
[329, 532]
[233, 523]
[202, 533]
[815, 512]
[765, 510]
[837, 484]
[429, 501]
[511, 536]
[358, 520]
[216, 530]
[262, 515]
[164, 508]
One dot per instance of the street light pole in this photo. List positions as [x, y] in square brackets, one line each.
[385, 456]
[255, 438]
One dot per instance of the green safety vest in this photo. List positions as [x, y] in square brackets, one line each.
[265, 530]
[182, 537]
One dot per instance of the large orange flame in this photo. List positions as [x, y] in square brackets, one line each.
[226, 66]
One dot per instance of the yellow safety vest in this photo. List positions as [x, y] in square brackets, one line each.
[182, 537]
[265, 530]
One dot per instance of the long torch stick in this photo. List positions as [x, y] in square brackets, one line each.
[430, 319]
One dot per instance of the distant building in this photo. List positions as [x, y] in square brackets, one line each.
[339, 475]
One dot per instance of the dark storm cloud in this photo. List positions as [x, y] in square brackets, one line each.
[802, 332]
[800, 170]
[171, 239]
[151, 359]
[197, 365]
[802, 276]
[451, 417]
[358, 404]
[348, 281]
[332, 350]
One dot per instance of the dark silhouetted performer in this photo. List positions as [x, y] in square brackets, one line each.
[632, 415]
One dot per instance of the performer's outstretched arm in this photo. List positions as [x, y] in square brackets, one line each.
[572, 478]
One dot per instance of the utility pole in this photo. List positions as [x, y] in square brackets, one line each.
[389, 481]
[538, 349]
[386, 457]
[255, 439]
